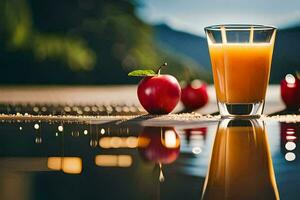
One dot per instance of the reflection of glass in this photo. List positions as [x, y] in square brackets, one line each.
[241, 60]
[200, 131]
[241, 165]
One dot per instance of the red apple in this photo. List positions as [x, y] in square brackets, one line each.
[194, 95]
[290, 91]
[159, 145]
[159, 94]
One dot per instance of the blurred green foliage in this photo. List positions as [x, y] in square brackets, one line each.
[20, 34]
[84, 42]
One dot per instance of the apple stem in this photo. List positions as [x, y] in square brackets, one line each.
[163, 65]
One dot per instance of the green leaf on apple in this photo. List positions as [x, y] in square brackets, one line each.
[147, 72]
[298, 74]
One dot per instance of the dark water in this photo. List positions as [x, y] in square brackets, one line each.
[124, 160]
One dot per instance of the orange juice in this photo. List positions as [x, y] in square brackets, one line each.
[240, 166]
[241, 71]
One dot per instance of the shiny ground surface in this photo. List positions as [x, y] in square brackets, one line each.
[97, 143]
[136, 159]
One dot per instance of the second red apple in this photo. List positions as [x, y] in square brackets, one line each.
[194, 95]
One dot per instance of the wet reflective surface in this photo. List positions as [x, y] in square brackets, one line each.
[241, 165]
[221, 159]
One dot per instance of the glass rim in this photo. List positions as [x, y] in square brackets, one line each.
[239, 27]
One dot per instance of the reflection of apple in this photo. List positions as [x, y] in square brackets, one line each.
[290, 91]
[289, 139]
[289, 132]
[194, 95]
[195, 131]
[159, 144]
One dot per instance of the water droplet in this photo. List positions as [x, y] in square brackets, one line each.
[290, 156]
[36, 126]
[85, 132]
[101, 109]
[93, 143]
[21, 128]
[290, 146]
[133, 109]
[196, 150]
[94, 109]
[109, 109]
[125, 109]
[67, 109]
[102, 131]
[38, 140]
[75, 108]
[60, 128]
[118, 109]
[35, 109]
[86, 109]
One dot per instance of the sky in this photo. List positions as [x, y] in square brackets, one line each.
[193, 15]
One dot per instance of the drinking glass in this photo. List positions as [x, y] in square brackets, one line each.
[241, 164]
[241, 56]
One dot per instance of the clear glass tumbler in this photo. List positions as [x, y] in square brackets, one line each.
[241, 57]
[241, 164]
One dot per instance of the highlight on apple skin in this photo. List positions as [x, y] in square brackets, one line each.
[290, 92]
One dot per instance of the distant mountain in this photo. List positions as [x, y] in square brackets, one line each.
[187, 44]
[286, 58]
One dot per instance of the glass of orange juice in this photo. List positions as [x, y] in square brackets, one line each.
[241, 58]
[241, 164]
